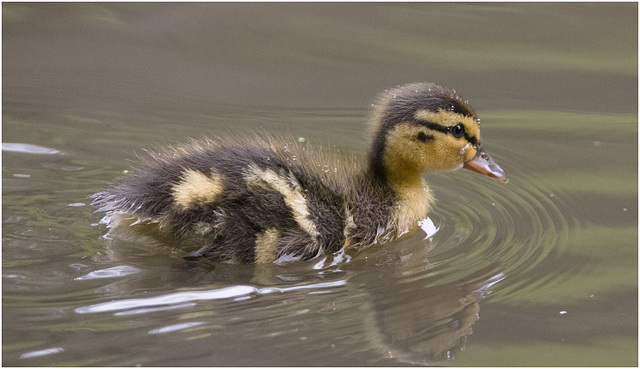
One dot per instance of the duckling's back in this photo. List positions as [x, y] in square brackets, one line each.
[248, 201]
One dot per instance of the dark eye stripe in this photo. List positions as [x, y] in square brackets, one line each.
[423, 137]
[447, 130]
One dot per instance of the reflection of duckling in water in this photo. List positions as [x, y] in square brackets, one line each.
[426, 325]
[262, 200]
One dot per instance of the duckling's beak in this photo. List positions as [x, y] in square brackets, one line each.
[483, 164]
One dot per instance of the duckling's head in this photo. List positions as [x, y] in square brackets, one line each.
[423, 127]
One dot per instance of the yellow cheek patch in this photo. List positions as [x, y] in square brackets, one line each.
[196, 188]
[404, 151]
[267, 246]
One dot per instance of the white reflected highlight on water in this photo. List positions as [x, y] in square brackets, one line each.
[338, 257]
[191, 296]
[45, 352]
[114, 272]
[28, 149]
[428, 227]
[153, 310]
[175, 327]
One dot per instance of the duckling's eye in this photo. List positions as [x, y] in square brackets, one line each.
[458, 130]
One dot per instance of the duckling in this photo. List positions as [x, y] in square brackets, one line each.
[263, 200]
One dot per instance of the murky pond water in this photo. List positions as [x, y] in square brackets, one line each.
[541, 271]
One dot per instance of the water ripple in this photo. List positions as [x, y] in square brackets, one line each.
[191, 296]
[39, 353]
[175, 327]
[489, 238]
[511, 227]
[114, 272]
[28, 149]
